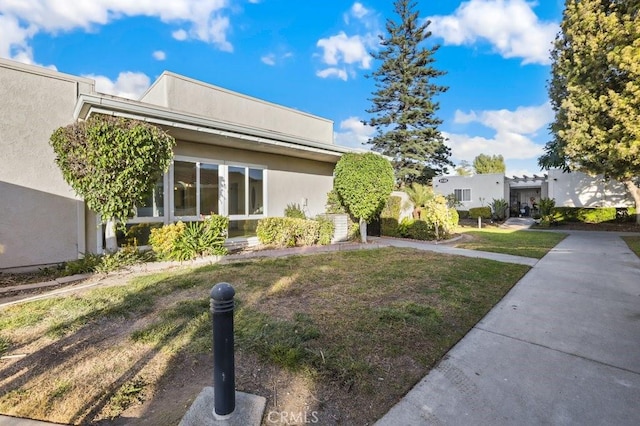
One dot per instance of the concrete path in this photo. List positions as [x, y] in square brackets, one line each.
[562, 348]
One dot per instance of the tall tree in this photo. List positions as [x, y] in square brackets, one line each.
[112, 163]
[484, 164]
[595, 92]
[403, 109]
[464, 169]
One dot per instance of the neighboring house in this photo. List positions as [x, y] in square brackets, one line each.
[567, 189]
[235, 155]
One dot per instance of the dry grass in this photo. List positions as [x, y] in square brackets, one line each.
[347, 333]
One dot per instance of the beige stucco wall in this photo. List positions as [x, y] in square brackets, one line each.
[187, 95]
[289, 179]
[39, 219]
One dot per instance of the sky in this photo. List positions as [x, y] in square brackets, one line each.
[311, 56]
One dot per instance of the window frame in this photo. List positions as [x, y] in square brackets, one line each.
[462, 193]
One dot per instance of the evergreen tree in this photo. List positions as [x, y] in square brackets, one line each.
[464, 169]
[595, 92]
[485, 164]
[403, 109]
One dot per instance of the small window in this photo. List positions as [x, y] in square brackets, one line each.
[462, 195]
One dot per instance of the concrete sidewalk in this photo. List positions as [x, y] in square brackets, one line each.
[562, 348]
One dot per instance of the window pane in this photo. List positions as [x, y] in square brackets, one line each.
[184, 188]
[237, 190]
[153, 204]
[466, 195]
[256, 202]
[208, 189]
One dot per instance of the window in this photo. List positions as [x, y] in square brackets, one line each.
[153, 203]
[462, 195]
[203, 188]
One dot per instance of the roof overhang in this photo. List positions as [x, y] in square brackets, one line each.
[191, 128]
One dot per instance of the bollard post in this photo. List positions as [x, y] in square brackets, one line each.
[224, 381]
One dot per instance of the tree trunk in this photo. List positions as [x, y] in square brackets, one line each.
[635, 193]
[111, 242]
[363, 231]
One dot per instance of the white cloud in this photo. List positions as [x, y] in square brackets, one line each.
[510, 26]
[159, 55]
[357, 11]
[525, 120]
[269, 59]
[353, 133]
[333, 72]
[128, 84]
[180, 35]
[273, 59]
[341, 48]
[512, 139]
[21, 20]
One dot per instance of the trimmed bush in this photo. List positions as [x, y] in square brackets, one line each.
[483, 212]
[463, 214]
[389, 217]
[584, 214]
[421, 230]
[291, 232]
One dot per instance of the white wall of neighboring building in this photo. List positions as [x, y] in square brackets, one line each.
[483, 187]
[577, 189]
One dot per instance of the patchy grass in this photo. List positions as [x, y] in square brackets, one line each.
[354, 330]
[634, 243]
[519, 243]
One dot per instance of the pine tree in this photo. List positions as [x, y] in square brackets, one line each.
[595, 92]
[403, 109]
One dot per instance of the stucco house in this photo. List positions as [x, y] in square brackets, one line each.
[235, 155]
[567, 189]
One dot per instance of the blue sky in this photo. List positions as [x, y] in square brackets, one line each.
[312, 56]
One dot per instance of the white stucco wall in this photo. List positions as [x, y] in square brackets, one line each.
[41, 220]
[180, 93]
[577, 189]
[484, 188]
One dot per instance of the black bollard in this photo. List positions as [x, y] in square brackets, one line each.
[224, 380]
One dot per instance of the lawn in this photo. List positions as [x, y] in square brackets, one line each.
[519, 243]
[634, 243]
[340, 336]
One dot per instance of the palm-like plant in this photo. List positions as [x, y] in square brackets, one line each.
[419, 195]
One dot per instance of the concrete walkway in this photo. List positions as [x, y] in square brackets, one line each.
[562, 348]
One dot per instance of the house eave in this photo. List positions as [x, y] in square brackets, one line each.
[188, 127]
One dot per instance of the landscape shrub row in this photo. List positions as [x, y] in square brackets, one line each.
[292, 232]
[592, 215]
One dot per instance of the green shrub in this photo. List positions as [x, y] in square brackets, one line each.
[389, 217]
[290, 232]
[546, 205]
[179, 241]
[403, 227]
[463, 214]
[295, 211]
[125, 256]
[84, 265]
[162, 240]
[483, 212]
[421, 230]
[499, 208]
[441, 218]
[334, 203]
[325, 231]
[584, 214]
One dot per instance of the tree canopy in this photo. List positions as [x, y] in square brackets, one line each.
[464, 169]
[485, 164]
[403, 109]
[595, 91]
[111, 162]
[363, 183]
